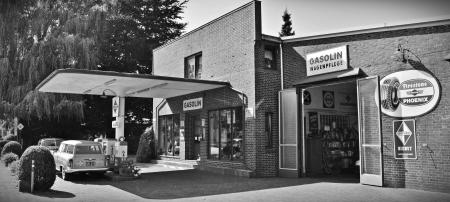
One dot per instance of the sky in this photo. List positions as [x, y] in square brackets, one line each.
[311, 17]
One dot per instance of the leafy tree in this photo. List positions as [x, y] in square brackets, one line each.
[286, 28]
[40, 36]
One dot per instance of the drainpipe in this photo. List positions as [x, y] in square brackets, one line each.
[281, 64]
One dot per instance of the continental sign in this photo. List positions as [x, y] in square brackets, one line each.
[408, 93]
[327, 61]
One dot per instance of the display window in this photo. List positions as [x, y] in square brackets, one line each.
[169, 135]
[225, 141]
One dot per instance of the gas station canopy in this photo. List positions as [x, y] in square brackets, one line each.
[94, 82]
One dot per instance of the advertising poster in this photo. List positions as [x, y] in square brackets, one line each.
[405, 139]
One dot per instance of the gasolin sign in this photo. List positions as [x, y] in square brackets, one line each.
[405, 139]
[193, 104]
[408, 93]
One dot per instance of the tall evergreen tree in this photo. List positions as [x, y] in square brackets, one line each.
[286, 28]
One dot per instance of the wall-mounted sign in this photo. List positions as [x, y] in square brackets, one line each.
[115, 124]
[306, 97]
[326, 61]
[405, 139]
[249, 113]
[115, 106]
[193, 104]
[408, 93]
[328, 99]
[20, 126]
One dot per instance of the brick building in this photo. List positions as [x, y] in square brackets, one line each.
[306, 106]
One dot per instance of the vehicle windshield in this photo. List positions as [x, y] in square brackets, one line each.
[58, 142]
[88, 149]
[48, 143]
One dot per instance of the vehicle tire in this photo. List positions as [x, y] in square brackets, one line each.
[64, 175]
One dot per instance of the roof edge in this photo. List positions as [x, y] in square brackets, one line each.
[123, 74]
[443, 20]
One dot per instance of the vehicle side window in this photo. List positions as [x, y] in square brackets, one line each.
[69, 149]
[62, 148]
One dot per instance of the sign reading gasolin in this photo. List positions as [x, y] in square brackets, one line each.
[408, 93]
[405, 139]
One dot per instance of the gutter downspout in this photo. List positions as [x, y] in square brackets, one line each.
[281, 65]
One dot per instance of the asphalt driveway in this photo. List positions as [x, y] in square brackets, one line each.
[162, 183]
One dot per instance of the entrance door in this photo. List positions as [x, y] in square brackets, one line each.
[371, 152]
[288, 143]
[196, 126]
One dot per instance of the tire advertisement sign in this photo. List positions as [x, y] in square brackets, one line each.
[408, 93]
[405, 139]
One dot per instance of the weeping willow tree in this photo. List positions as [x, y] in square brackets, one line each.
[38, 37]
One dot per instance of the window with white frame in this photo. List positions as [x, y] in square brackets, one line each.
[193, 66]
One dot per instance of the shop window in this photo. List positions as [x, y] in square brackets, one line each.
[269, 58]
[268, 131]
[193, 66]
[225, 140]
[169, 135]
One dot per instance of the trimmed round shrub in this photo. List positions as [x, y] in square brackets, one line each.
[146, 148]
[9, 158]
[44, 172]
[12, 147]
[2, 144]
[10, 137]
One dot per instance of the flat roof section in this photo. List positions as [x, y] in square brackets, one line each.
[94, 82]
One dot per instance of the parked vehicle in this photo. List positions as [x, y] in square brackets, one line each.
[80, 156]
[51, 143]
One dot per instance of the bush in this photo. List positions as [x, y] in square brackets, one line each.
[2, 143]
[10, 137]
[12, 147]
[44, 164]
[146, 148]
[9, 158]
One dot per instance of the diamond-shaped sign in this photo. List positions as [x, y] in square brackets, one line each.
[403, 133]
[20, 126]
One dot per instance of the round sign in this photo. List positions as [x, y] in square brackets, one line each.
[328, 99]
[408, 93]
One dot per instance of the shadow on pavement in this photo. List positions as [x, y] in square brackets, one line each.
[55, 194]
[195, 183]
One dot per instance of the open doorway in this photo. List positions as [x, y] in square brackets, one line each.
[331, 138]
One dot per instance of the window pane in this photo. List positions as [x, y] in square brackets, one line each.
[88, 149]
[213, 135]
[191, 68]
[169, 134]
[238, 135]
[176, 134]
[161, 135]
[268, 58]
[226, 147]
[198, 67]
[69, 149]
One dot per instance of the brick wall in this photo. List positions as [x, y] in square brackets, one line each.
[227, 45]
[268, 83]
[372, 53]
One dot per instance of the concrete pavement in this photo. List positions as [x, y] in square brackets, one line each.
[161, 183]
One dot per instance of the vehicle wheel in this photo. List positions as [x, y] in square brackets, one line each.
[64, 175]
